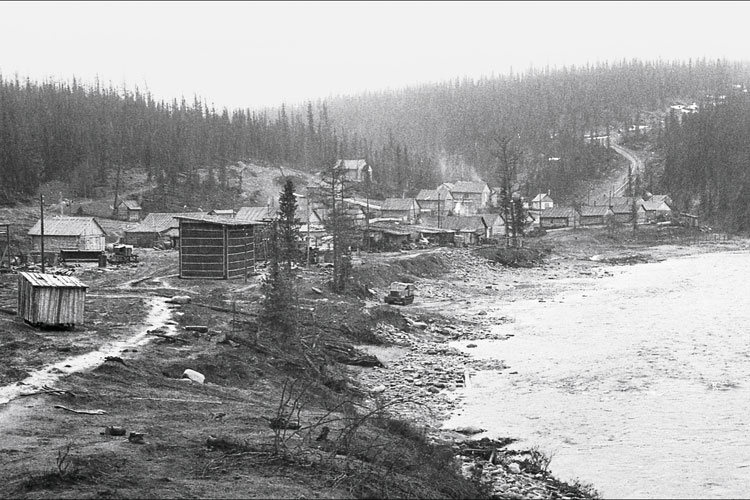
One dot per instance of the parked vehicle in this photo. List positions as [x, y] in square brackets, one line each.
[400, 293]
[122, 254]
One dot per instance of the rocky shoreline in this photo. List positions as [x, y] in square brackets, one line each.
[429, 376]
[424, 371]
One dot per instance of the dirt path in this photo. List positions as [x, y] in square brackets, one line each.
[158, 317]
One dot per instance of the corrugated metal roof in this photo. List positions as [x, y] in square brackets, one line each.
[558, 212]
[158, 222]
[254, 213]
[401, 204]
[52, 280]
[66, 226]
[597, 211]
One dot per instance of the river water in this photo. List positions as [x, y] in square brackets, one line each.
[639, 386]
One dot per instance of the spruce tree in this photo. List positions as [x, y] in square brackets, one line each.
[288, 225]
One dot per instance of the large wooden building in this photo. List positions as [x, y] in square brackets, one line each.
[220, 248]
[70, 233]
[49, 300]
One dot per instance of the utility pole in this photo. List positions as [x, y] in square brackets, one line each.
[41, 209]
[438, 209]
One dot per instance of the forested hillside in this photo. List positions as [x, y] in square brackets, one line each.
[414, 137]
[83, 134]
[707, 162]
[548, 112]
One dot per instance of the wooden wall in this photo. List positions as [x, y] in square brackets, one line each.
[215, 251]
[50, 306]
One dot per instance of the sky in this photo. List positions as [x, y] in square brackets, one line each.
[260, 54]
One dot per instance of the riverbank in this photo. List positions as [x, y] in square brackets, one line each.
[385, 436]
[459, 313]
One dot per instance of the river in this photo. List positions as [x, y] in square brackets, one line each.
[639, 386]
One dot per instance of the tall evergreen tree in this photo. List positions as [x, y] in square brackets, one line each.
[288, 225]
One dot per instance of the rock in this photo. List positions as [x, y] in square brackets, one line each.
[470, 346]
[514, 468]
[180, 299]
[194, 376]
[378, 389]
[114, 431]
[199, 329]
[317, 290]
[469, 430]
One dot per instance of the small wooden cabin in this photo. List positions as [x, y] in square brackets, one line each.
[219, 248]
[49, 300]
[129, 210]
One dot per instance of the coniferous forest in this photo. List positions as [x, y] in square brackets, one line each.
[416, 137]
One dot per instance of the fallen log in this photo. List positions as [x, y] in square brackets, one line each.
[84, 412]
[46, 390]
[177, 400]
[168, 337]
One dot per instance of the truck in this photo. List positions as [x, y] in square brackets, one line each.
[122, 254]
[400, 293]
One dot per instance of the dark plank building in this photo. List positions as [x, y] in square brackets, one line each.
[220, 248]
[51, 301]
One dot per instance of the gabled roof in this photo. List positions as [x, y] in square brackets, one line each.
[130, 204]
[620, 200]
[542, 198]
[626, 209]
[469, 187]
[661, 198]
[459, 223]
[432, 195]
[157, 222]
[356, 165]
[651, 205]
[400, 204]
[597, 211]
[492, 219]
[558, 212]
[65, 226]
[365, 204]
[255, 213]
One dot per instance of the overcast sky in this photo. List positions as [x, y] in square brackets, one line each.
[255, 54]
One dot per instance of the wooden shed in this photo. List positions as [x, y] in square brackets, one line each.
[49, 300]
[219, 248]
